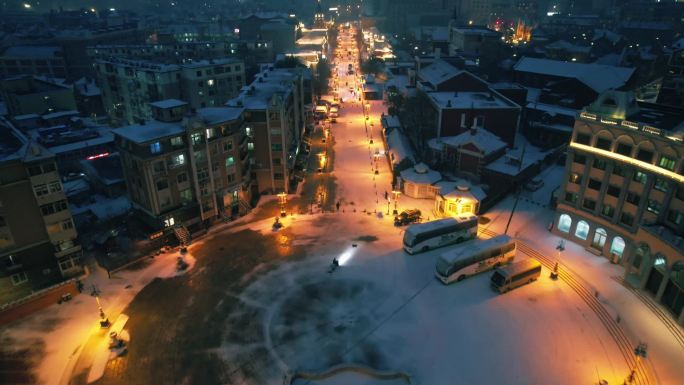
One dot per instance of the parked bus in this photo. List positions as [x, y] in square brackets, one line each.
[516, 274]
[431, 235]
[474, 257]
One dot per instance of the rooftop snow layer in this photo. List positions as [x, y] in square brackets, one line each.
[152, 130]
[596, 76]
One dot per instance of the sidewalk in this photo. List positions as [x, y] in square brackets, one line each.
[529, 223]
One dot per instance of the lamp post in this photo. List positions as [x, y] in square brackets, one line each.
[282, 199]
[104, 321]
[396, 194]
[640, 352]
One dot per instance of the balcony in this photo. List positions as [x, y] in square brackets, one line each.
[70, 250]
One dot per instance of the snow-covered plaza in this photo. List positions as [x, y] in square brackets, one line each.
[259, 306]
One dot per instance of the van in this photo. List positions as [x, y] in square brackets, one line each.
[516, 274]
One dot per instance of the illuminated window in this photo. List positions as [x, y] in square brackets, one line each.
[230, 161]
[196, 138]
[661, 184]
[575, 178]
[618, 246]
[564, 223]
[155, 148]
[640, 177]
[168, 222]
[582, 230]
[177, 141]
[667, 163]
[653, 206]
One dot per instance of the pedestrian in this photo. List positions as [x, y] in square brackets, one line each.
[338, 205]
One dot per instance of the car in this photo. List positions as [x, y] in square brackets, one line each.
[333, 120]
[407, 217]
[535, 184]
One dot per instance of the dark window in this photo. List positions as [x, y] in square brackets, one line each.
[640, 177]
[624, 149]
[35, 170]
[619, 170]
[49, 167]
[676, 217]
[594, 184]
[600, 164]
[277, 176]
[626, 219]
[582, 138]
[162, 184]
[645, 155]
[608, 211]
[589, 204]
[182, 177]
[603, 143]
[613, 191]
[633, 198]
[277, 147]
[680, 193]
[580, 159]
[570, 197]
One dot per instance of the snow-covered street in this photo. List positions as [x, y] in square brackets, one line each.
[257, 305]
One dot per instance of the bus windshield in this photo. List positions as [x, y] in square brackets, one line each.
[443, 267]
[498, 278]
[409, 239]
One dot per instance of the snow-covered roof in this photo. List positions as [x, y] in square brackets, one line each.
[59, 114]
[606, 34]
[567, 46]
[460, 188]
[104, 138]
[552, 109]
[168, 103]
[611, 59]
[86, 87]
[462, 100]
[596, 76]
[438, 72]
[390, 121]
[218, 115]
[483, 139]
[420, 174]
[32, 51]
[399, 147]
[511, 164]
[152, 130]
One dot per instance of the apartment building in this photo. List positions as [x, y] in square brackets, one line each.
[38, 240]
[171, 53]
[28, 94]
[186, 168]
[624, 192]
[33, 60]
[129, 86]
[275, 116]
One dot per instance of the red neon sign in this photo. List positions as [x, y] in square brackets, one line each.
[98, 156]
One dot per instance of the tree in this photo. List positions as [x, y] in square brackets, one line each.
[372, 66]
[322, 76]
[289, 62]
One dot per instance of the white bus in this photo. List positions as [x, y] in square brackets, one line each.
[474, 257]
[431, 235]
[516, 274]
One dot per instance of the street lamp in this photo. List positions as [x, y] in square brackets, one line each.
[396, 194]
[104, 321]
[282, 199]
[640, 352]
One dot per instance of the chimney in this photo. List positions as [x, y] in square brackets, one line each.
[449, 103]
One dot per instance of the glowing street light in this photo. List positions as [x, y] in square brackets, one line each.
[282, 199]
[396, 194]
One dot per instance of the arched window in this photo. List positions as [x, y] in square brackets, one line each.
[639, 255]
[660, 262]
[582, 230]
[599, 238]
[564, 223]
[618, 246]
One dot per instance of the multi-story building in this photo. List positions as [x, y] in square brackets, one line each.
[275, 117]
[672, 88]
[36, 95]
[624, 193]
[38, 240]
[171, 53]
[129, 86]
[187, 168]
[472, 40]
[33, 60]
